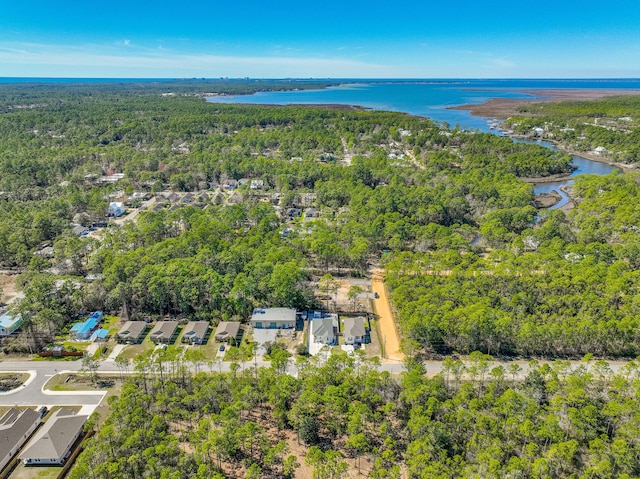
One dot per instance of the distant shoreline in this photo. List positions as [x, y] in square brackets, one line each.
[503, 108]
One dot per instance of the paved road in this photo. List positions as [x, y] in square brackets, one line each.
[32, 393]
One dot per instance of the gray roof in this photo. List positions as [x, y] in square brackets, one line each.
[274, 315]
[227, 330]
[196, 329]
[322, 326]
[132, 330]
[354, 327]
[55, 437]
[13, 426]
[163, 330]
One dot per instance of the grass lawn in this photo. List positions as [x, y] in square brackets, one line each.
[110, 323]
[133, 350]
[41, 472]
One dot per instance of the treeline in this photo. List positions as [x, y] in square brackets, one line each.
[611, 123]
[562, 289]
[476, 419]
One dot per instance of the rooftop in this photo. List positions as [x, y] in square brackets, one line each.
[227, 330]
[13, 426]
[56, 436]
[274, 314]
[132, 329]
[354, 327]
[196, 328]
[163, 330]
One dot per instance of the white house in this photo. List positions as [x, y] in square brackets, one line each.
[600, 150]
[273, 318]
[322, 330]
[116, 209]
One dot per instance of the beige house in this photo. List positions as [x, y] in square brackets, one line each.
[195, 332]
[354, 330]
[132, 332]
[52, 443]
[227, 331]
[163, 332]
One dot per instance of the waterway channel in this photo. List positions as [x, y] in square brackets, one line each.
[583, 166]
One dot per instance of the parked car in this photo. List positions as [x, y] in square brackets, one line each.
[221, 348]
[376, 295]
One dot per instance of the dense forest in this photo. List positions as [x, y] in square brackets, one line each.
[267, 198]
[610, 123]
[564, 288]
[344, 418]
[379, 182]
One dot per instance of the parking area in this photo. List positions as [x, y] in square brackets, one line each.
[262, 336]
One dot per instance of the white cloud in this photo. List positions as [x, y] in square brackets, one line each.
[99, 61]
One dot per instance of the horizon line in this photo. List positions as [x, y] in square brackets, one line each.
[42, 78]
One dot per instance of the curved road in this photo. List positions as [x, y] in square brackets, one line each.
[32, 393]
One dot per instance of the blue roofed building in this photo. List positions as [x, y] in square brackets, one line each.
[9, 323]
[84, 330]
[100, 335]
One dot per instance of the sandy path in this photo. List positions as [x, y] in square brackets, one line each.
[8, 287]
[388, 328]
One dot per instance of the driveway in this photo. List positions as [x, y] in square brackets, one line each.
[262, 336]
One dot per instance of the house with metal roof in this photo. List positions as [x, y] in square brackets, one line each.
[16, 427]
[195, 332]
[227, 331]
[132, 332]
[354, 330]
[52, 443]
[273, 318]
[9, 323]
[100, 335]
[163, 332]
[85, 329]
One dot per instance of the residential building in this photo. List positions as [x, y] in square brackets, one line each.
[79, 230]
[100, 335]
[9, 323]
[354, 330]
[195, 332]
[323, 330]
[256, 184]
[15, 428]
[227, 331]
[52, 443]
[132, 332]
[85, 329]
[273, 318]
[163, 332]
[116, 209]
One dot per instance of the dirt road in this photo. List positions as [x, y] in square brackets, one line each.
[388, 328]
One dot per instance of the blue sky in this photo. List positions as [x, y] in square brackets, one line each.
[339, 39]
